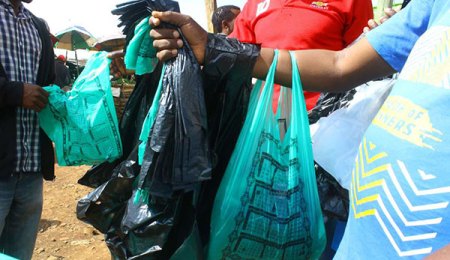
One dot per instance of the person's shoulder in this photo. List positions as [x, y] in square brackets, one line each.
[253, 4]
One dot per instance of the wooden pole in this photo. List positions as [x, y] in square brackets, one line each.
[210, 5]
[78, 66]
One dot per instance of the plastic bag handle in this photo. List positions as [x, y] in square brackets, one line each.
[299, 104]
[300, 123]
[266, 93]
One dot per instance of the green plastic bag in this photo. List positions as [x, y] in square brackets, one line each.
[150, 119]
[5, 257]
[267, 206]
[83, 122]
[140, 55]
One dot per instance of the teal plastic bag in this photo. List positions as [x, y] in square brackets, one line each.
[82, 122]
[267, 206]
[140, 55]
[150, 119]
[5, 257]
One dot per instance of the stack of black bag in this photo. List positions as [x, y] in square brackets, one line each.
[161, 209]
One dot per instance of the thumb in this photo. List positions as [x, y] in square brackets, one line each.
[115, 54]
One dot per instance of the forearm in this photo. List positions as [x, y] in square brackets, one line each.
[328, 71]
[320, 70]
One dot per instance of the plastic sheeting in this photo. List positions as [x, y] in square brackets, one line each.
[336, 138]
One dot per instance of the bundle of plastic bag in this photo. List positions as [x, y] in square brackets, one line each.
[82, 122]
[158, 221]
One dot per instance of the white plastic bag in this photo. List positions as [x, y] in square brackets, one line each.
[336, 137]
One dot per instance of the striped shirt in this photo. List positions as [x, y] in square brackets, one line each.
[20, 51]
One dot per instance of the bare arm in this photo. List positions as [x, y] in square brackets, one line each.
[320, 70]
[330, 71]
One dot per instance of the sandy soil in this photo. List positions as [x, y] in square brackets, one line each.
[62, 235]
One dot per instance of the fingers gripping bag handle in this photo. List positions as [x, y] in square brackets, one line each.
[267, 205]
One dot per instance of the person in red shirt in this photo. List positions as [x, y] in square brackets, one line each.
[302, 24]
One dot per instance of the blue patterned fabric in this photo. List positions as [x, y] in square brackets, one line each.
[400, 192]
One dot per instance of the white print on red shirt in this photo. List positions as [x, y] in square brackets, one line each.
[262, 7]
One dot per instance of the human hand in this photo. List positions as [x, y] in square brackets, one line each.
[371, 24]
[168, 41]
[117, 67]
[34, 97]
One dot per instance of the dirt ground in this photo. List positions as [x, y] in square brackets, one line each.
[61, 234]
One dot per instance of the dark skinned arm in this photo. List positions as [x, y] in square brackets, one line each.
[320, 70]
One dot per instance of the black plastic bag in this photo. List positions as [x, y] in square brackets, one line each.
[328, 103]
[177, 155]
[157, 230]
[105, 205]
[334, 199]
[227, 73]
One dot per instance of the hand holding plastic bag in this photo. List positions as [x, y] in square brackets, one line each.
[82, 122]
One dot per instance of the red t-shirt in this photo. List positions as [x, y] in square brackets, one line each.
[302, 24]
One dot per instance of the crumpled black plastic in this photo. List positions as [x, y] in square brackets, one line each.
[163, 229]
[105, 205]
[177, 156]
[328, 103]
[228, 80]
[334, 199]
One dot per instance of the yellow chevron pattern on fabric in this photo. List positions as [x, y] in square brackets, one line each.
[398, 232]
[360, 170]
[431, 69]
